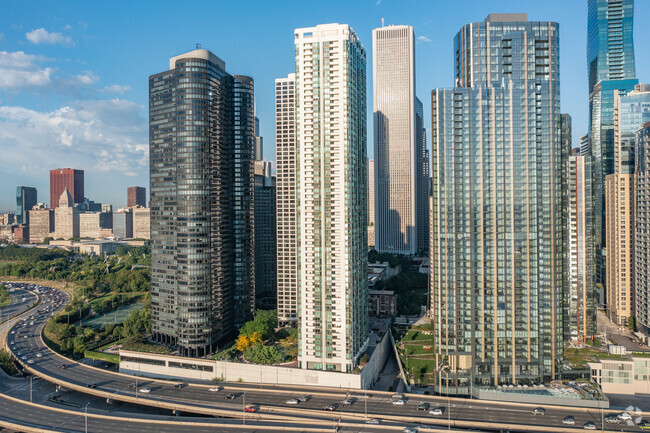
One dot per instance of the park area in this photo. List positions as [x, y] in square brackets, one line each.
[416, 353]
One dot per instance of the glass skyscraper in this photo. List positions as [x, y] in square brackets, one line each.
[496, 251]
[332, 221]
[201, 143]
[26, 198]
[610, 67]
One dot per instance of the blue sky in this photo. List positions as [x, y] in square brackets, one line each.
[73, 74]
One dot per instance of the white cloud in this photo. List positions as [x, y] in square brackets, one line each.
[19, 70]
[98, 135]
[116, 88]
[423, 39]
[378, 3]
[68, 27]
[42, 36]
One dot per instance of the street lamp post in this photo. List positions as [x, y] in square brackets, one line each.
[30, 388]
[86, 417]
[243, 409]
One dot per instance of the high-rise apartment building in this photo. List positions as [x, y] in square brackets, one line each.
[66, 217]
[201, 163]
[371, 202]
[642, 233]
[397, 151]
[26, 199]
[136, 196]
[286, 154]
[265, 237]
[69, 178]
[41, 223]
[580, 299]
[610, 68]
[496, 247]
[332, 198]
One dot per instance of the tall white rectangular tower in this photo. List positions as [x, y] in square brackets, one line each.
[285, 155]
[395, 139]
[332, 200]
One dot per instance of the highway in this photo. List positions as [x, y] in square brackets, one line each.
[21, 300]
[197, 398]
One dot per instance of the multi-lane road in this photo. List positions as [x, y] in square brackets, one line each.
[21, 300]
[271, 403]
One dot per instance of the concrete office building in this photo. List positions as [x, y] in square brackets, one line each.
[642, 232]
[66, 217]
[136, 196]
[396, 147]
[371, 203]
[7, 218]
[265, 237]
[26, 199]
[286, 199]
[123, 223]
[91, 224]
[580, 297]
[70, 178]
[496, 272]
[141, 222]
[201, 166]
[332, 198]
[610, 68]
[41, 223]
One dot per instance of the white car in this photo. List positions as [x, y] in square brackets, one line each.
[436, 411]
[215, 389]
[624, 416]
[589, 426]
[291, 401]
[31, 361]
[372, 421]
[39, 355]
[398, 395]
[145, 390]
[399, 402]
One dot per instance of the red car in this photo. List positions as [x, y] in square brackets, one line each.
[250, 408]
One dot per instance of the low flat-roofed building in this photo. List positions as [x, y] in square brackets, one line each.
[630, 375]
[383, 303]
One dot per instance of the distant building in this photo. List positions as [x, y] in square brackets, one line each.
[6, 233]
[141, 222]
[642, 224]
[259, 141]
[21, 234]
[265, 237]
[371, 203]
[26, 198]
[621, 376]
[89, 206]
[123, 223]
[107, 208]
[286, 199]
[136, 196]
[70, 178]
[91, 224]
[66, 217]
[41, 224]
[383, 303]
[7, 218]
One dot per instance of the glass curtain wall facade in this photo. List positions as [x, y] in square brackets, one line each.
[332, 198]
[422, 179]
[398, 159]
[610, 67]
[201, 141]
[642, 235]
[26, 199]
[496, 248]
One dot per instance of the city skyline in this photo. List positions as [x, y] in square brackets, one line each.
[61, 68]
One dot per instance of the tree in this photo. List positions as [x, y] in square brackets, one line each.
[264, 323]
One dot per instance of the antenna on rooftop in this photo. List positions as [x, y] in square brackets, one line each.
[198, 46]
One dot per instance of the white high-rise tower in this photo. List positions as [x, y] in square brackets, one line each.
[332, 200]
[395, 140]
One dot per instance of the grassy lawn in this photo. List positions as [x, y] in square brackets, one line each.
[140, 345]
[416, 349]
[417, 335]
[108, 357]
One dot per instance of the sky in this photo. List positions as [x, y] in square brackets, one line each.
[74, 74]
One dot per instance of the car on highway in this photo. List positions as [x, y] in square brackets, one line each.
[291, 401]
[612, 419]
[92, 385]
[250, 408]
[644, 425]
[30, 361]
[589, 426]
[231, 396]
[24, 358]
[410, 430]
[422, 406]
[331, 407]
[397, 395]
[178, 386]
[303, 399]
[539, 411]
[399, 402]
[372, 421]
[348, 401]
[624, 416]
[145, 390]
[39, 355]
[62, 366]
[569, 420]
[436, 411]
[215, 389]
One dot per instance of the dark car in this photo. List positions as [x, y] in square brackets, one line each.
[92, 385]
[422, 406]
[331, 407]
[178, 386]
[539, 411]
[231, 396]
